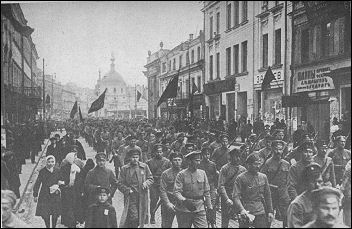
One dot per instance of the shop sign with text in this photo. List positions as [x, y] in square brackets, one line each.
[313, 79]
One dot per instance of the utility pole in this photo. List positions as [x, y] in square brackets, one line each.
[43, 93]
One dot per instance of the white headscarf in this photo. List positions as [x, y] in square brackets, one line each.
[47, 158]
[70, 158]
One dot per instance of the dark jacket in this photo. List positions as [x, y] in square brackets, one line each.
[48, 204]
[101, 216]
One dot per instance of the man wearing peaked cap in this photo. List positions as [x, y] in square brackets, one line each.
[276, 170]
[326, 208]
[167, 190]
[340, 157]
[221, 153]
[101, 189]
[227, 177]
[300, 210]
[126, 156]
[179, 143]
[190, 205]
[157, 165]
[295, 184]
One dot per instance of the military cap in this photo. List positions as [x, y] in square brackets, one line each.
[278, 143]
[234, 151]
[134, 152]
[341, 138]
[181, 135]
[158, 145]
[253, 157]
[147, 125]
[57, 135]
[100, 156]
[252, 136]
[188, 144]
[130, 137]
[175, 155]
[318, 194]
[101, 189]
[307, 143]
[52, 139]
[222, 136]
[311, 171]
[158, 134]
[192, 154]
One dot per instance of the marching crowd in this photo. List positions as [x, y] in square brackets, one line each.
[190, 169]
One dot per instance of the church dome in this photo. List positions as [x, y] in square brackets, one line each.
[113, 77]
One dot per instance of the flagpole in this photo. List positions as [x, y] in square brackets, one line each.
[135, 100]
[189, 83]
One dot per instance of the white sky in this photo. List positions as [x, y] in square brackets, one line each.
[77, 38]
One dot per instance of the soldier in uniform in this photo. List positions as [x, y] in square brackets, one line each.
[251, 194]
[220, 155]
[227, 177]
[134, 181]
[295, 184]
[346, 189]
[167, 182]
[326, 207]
[265, 152]
[212, 173]
[340, 157]
[126, 157]
[216, 143]
[179, 143]
[279, 134]
[276, 169]
[326, 164]
[300, 211]
[157, 165]
[189, 147]
[192, 192]
[143, 144]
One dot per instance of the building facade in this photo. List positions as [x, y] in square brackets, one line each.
[187, 61]
[21, 98]
[229, 37]
[272, 40]
[152, 74]
[120, 98]
[321, 62]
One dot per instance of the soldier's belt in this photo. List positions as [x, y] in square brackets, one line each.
[194, 197]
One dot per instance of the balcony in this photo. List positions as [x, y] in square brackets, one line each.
[32, 93]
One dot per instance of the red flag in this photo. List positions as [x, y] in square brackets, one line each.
[170, 91]
[269, 76]
[98, 103]
[74, 110]
[138, 95]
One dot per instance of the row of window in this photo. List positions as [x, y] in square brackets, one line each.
[180, 64]
[235, 18]
[323, 40]
[277, 49]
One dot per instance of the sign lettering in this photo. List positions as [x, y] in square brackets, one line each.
[314, 79]
[259, 78]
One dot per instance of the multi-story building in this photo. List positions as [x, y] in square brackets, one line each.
[229, 51]
[321, 62]
[187, 61]
[153, 75]
[20, 98]
[120, 98]
[271, 28]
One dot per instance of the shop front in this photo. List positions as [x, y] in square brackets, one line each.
[329, 91]
[213, 90]
[269, 102]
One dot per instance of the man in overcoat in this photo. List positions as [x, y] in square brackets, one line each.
[134, 181]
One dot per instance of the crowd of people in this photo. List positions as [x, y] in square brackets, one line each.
[190, 169]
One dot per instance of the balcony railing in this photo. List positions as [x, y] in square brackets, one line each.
[32, 92]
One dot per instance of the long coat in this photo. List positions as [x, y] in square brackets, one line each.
[48, 204]
[124, 184]
[70, 197]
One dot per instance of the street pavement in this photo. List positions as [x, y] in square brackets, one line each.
[29, 206]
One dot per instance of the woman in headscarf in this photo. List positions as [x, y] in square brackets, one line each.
[70, 173]
[49, 203]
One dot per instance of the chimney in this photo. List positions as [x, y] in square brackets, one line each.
[191, 36]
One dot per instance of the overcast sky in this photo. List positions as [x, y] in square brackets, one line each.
[77, 38]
